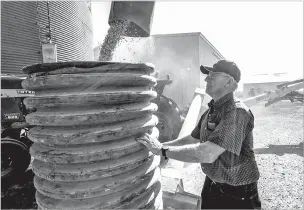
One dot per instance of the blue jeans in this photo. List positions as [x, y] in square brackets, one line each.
[224, 196]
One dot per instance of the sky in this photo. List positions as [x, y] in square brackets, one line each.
[260, 37]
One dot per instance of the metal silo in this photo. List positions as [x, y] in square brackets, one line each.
[27, 25]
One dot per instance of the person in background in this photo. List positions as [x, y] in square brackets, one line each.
[222, 142]
[251, 92]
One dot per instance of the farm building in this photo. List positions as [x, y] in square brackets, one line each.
[263, 82]
[177, 55]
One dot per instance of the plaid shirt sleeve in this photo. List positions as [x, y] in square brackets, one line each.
[196, 132]
[232, 130]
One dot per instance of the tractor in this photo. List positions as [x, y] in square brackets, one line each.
[15, 156]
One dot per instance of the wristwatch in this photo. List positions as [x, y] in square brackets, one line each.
[164, 150]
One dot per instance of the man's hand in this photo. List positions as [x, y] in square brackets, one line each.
[151, 143]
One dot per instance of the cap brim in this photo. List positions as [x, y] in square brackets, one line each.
[206, 69]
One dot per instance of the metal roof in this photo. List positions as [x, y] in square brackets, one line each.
[269, 78]
[192, 34]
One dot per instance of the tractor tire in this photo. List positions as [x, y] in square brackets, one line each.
[170, 119]
[164, 127]
[15, 158]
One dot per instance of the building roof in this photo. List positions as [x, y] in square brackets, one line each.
[218, 54]
[177, 34]
[269, 78]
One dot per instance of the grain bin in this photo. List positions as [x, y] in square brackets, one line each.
[26, 25]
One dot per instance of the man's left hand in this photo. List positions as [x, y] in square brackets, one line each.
[151, 143]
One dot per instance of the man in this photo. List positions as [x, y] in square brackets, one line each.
[222, 142]
[251, 92]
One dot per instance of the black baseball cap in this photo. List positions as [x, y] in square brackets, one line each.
[225, 66]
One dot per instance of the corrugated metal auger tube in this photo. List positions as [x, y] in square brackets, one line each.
[87, 117]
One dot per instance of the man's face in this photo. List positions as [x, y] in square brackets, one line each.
[216, 83]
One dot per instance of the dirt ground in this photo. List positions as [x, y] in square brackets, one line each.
[278, 143]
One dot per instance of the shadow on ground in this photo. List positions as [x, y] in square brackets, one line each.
[281, 149]
[18, 192]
